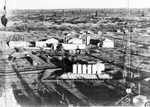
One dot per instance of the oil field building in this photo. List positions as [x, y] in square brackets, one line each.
[75, 41]
[107, 43]
[47, 43]
[72, 48]
[14, 44]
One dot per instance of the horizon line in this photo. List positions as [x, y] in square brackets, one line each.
[76, 8]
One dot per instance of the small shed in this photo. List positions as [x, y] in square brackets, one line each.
[107, 43]
[75, 41]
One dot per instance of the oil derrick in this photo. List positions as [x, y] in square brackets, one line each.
[102, 11]
[124, 56]
[143, 14]
[72, 12]
[80, 11]
[44, 17]
[63, 12]
[96, 13]
[54, 14]
[127, 60]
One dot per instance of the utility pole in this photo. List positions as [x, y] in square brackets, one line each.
[139, 84]
[128, 41]
[127, 48]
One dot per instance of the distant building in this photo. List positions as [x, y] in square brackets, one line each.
[108, 32]
[100, 33]
[145, 34]
[40, 44]
[118, 31]
[13, 44]
[126, 31]
[88, 38]
[69, 46]
[95, 42]
[51, 41]
[75, 41]
[107, 43]
[73, 46]
[47, 42]
[90, 32]
[83, 32]
[148, 30]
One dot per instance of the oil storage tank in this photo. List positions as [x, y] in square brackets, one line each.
[94, 69]
[75, 68]
[79, 68]
[84, 68]
[89, 69]
[100, 68]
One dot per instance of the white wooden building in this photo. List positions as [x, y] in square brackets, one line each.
[107, 43]
[52, 41]
[40, 44]
[13, 44]
[73, 46]
[75, 41]
[46, 42]
[145, 34]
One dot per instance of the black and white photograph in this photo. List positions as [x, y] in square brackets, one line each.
[74, 53]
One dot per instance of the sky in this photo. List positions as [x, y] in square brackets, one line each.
[66, 4]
